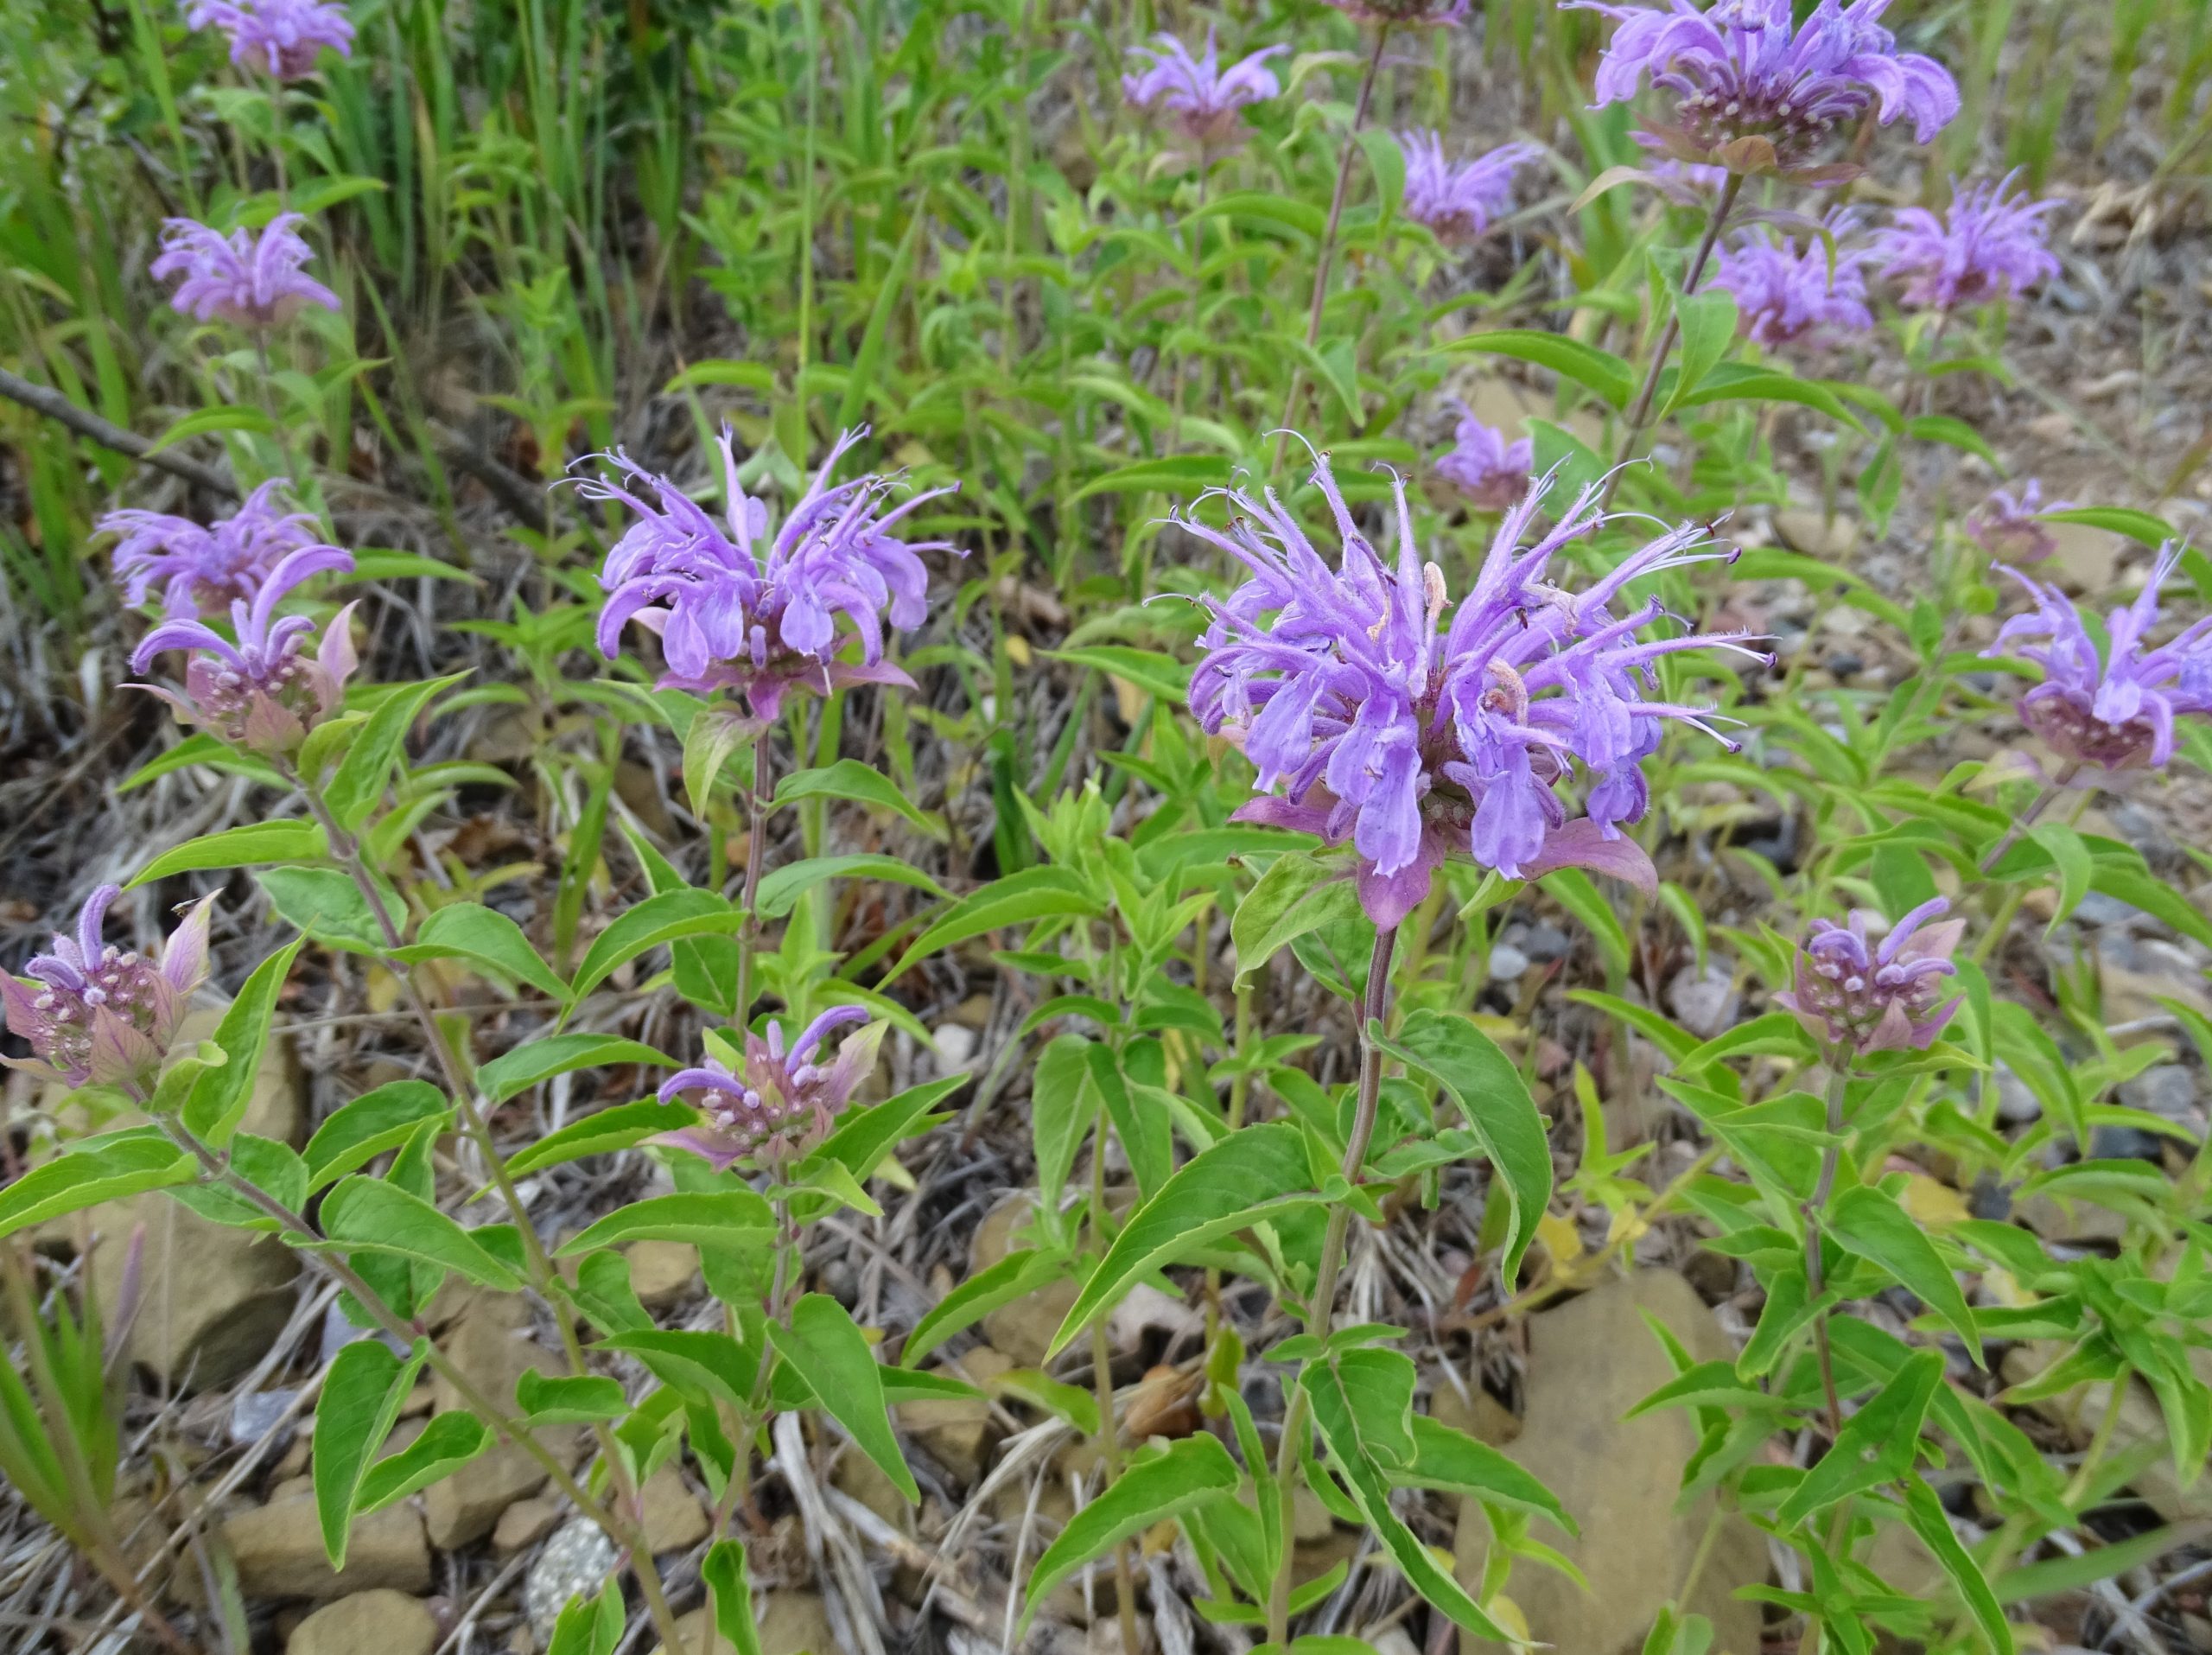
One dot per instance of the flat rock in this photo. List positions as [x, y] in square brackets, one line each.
[1809, 530]
[279, 1552]
[526, 1522]
[381, 1622]
[1023, 1330]
[956, 1432]
[670, 1513]
[1590, 1361]
[493, 1352]
[790, 1622]
[663, 1274]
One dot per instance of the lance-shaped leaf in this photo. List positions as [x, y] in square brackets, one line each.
[1877, 1445]
[834, 1358]
[486, 938]
[352, 793]
[449, 1441]
[714, 1217]
[541, 1059]
[222, 1093]
[373, 1123]
[667, 917]
[1191, 1472]
[1252, 1176]
[373, 1215]
[1014, 1277]
[91, 1175]
[623, 1127]
[1019, 898]
[1455, 1463]
[247, 846]
[1870, 1223]
[361, 1397]
[724, 1573]
[1925, 1513]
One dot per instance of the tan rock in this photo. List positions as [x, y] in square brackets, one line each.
[2085, 560]
[526, 1522]
[368, 1623]
[862, 1478]
[1809, 530]
[790, 1622]
[663, 1273]
[955, 1433]
[2140, 1423]
[1482, 1415]
[1023, 1330]
[493, 1354]
[210, 1299]
[278, 1548]
[670, 1513]
[1590, 1361]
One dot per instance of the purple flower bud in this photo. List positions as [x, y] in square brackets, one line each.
[1784, 292]
[205, 571]
[1460, 201]
[1756, 91]
[259, 689]
[282, 37]
[96, 1013]
[1877, 998]
[253, 282]
[1491, 472]
[1412, 739]
[1205, 100]
[2115, 710]
[783, 1102]
[2007, 528]
[737, 610]
[1983, 246]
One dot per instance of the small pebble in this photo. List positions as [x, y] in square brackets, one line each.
[1507, 962]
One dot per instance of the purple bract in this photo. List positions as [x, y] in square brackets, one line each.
[2004, 526]
[1783, 292]
[2115, 710]
[737, 610]
[1756, 91]
[1982, 247]
[1413, 739]
[784, 1102]
[255, 282]
[1877, 998]
[282, 37]
[204, 570]
[1458, 200]
[96, 1013]
[259, 688]
[1204, 100]
[1491, 472]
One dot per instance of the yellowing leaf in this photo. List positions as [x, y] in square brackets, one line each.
[1560, 1238]
[1018, 651]
[1932, 1202]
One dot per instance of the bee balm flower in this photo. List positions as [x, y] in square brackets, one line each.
[1458, 200]
[1983, 246]
[96, 1013]
[1491, 472]
[1877, 997]
[2006, 527]
[282, 37]
[737, 610]
[1205, 100]
[783, 1101]
[206, 569]
[255, 282]
[1414, 738]
[1783, 293]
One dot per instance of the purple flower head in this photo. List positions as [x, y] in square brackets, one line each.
[1460, 201]
[1877, 998]
[1403, 14]
[737, 609]
[1205, 99]
[1783, 292]
[783, 1101]
[96, 1013]
[198, 569]
[1413, 738]
[1982, 247]
[2115, 710]
[254, 281]
[259, 688]
[1490, 471]
[282, 37]
[2007, 528]
[1756, 91]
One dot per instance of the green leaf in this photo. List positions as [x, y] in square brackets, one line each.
[376, 1216]
[373, 1123]
[623, 1127]
[1014, 1277]
[1019, 898]
[1296, 895]
[1161, 676]
[1595, 370]
[834, 1358]
[328, 906]
[1388, 163]
[866, 1133]
[1487, 1086]
[449, 1441]
[715, 1218]
[1063, 1103]
[1740, 382]
[2071, 856]
[1455, 1463]
[1870, 1223]
[246, 846]
[274, 1168]
[89, 1175]
[1336, 1417]
[724, 1573]
[354, 792]
[716, 734]
[1877, 1444]
[1924, 1512]
[663, 918]
[1708, 325]
[2143, 526]
[590, 1626]
[222, 1094]
[781, 888]
[201, 749]
[361, 1397]
[578, 1398]
[701, 1362]
[1258, 1174]
[1190, 1472]
[1177, 473]
[863, 785]
[485, 937]
[542, 1058]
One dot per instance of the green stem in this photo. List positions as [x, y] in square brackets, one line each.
[1830, 1158]
[756, 846]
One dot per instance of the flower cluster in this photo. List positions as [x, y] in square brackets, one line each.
[1987, 244]
[2115, 710]
[738, 610]
[253, 281]
[204, 570]
[94, 1012]
[1490, 471]
[259, 688]
[1783, 292]
[1756, 91]
[1415, 739]
[282, 37]
[1877, 998]
[2004, 526]
[784, 1101]
[1458, 200]
[1403, 14]
[1205, 100]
